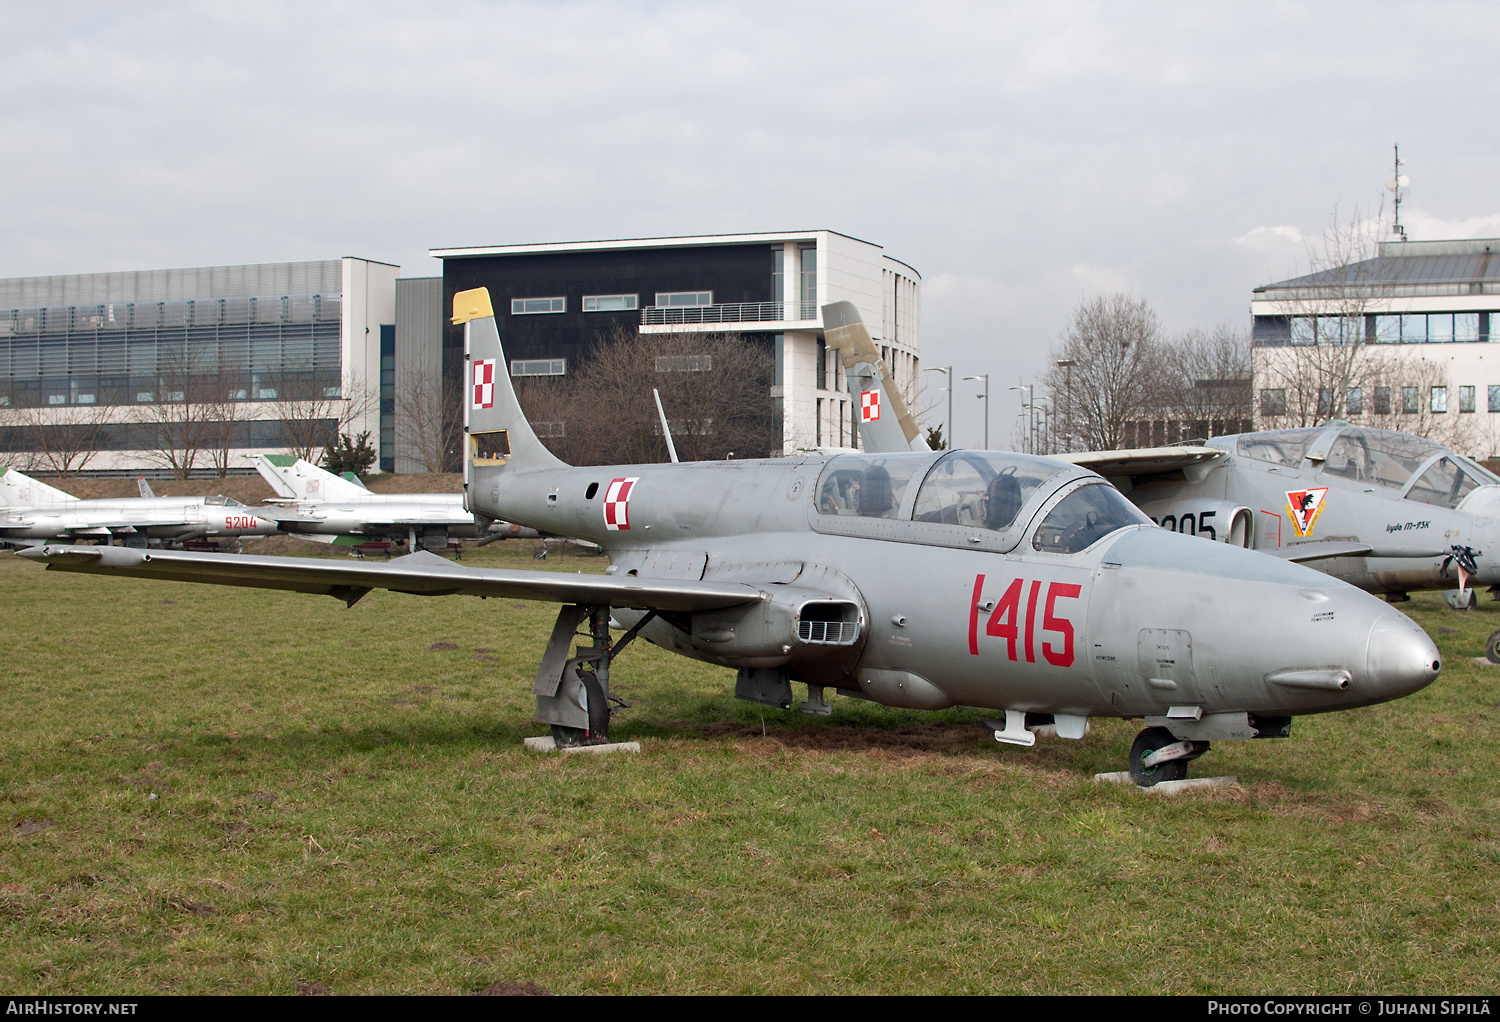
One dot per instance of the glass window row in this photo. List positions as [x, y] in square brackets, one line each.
[270, 310]
[1379, 401]
[127, 436]
[313, 346]
[1410, 328]
[203, 388]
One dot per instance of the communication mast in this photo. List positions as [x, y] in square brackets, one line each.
[1397, 182]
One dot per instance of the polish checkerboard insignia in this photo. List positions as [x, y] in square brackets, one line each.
[1304, 506]
[484, 383]
[617, 503]
[869, 406]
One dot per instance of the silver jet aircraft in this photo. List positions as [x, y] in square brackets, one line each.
[318, 505]
[31, 511]
[918, 579]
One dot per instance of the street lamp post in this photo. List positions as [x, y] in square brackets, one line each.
[1067, 364]
[1030, 390]
[947, 372]
[986, 395]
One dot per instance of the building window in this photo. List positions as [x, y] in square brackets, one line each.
[611, 303]
[1382, 400]
[1439, 399]
[684, 299]
[1273, 402]
[1326, 410]
[1411, 400]
[1465, 399]
[539, 367]
[684, 363]
[537, 306]
[778, 274]
[1413, 329]
[1495, 399]
[1355, 401]
[810, 278]
[1466, 326]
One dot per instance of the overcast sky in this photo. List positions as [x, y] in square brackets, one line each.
[1020, 156]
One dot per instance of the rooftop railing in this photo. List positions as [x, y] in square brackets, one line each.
[730, 312]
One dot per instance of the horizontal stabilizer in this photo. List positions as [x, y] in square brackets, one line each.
[419, 574]
[1320, 550]
[1145, 461]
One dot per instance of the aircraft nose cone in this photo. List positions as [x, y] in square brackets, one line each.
[1401, 658]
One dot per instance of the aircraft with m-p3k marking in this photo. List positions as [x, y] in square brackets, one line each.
[915, 579]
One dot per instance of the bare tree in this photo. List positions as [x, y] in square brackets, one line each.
[57, 438]
[1208, 382]
[1330, 348]
[312, 411]
[427, 427]
[1114, 347]
[178, 422]
[715, 389]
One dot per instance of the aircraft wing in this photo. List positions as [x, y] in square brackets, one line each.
[421, 574]
[1321, 549]
[1144, 461]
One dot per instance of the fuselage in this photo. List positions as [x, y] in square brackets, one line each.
[1138, 622]
[170, 518]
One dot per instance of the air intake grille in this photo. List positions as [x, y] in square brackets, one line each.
[828, 633]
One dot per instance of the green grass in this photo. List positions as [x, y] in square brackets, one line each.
[340, 804]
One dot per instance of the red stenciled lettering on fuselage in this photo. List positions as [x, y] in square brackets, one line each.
[240, 523]
[1006, 622]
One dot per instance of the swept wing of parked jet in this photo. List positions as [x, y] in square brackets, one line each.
[318, 505]
[31, 510]
[918, 579]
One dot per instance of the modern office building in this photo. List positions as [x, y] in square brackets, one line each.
[1419, 319]
[219, 357]
[555, 301]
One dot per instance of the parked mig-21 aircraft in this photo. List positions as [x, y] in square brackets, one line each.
[318, 505]
[918, 579]
[31, 511]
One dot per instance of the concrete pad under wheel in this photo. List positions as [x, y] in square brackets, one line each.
[546, 743]
[1168, 787]
[1484, 660]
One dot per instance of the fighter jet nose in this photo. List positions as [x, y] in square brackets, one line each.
[1401, 658]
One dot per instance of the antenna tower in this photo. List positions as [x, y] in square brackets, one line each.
[1397, 182]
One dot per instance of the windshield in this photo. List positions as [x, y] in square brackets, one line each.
[1280, 447]
[866, 486]
[982, 489]
[1378, 457]
[1444, 484]
[1084, 517]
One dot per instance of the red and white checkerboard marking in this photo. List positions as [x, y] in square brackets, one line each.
[869, 406]
[617, 503]
[484, 383]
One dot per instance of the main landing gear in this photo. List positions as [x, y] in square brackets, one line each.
[1157, 755]
[572, 692]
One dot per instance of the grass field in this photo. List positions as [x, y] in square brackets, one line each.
[217, 790]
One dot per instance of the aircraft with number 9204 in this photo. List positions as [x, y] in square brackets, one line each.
[915, 579]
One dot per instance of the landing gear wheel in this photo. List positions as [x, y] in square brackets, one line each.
[1492, 647]
[598, 708]
[1147, 742]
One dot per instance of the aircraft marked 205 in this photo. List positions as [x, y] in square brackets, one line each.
[803, 569]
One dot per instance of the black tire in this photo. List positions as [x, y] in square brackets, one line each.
[1147, 742]
[598, 729]
[1492, 647]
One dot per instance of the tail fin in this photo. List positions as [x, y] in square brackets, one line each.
[498, 433]
[302, 480]
[885, 424]
[20, 490]
[144, 487]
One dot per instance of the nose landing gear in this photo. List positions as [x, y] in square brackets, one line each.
[1157, 755]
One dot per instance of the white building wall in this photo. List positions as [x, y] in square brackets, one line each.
[369, 290]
